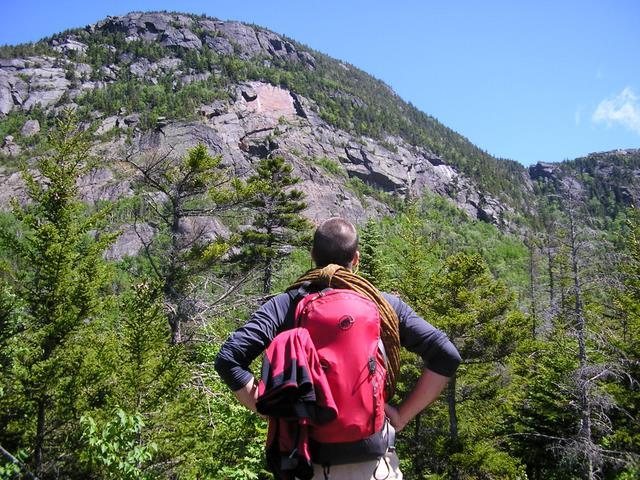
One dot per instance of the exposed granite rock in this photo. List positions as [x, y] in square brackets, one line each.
[109, 72]
[248, 93]
[25, 83]
[107, 124]
[69, 44]
[198, 77]
[9, 147]
[226, 38]
[241, 35]
[218, 107]
[11, 186]
[101, 184]
[132, 120]
[201, 229]
[185, 38]
[260, 121]
[30, 128]
[220, 45]
[130, 242]
[542, 170]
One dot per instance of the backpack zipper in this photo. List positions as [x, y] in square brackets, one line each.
[372, 372]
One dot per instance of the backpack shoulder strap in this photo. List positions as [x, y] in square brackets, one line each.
[295, 295]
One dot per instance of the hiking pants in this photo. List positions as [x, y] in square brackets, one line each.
[385, 468]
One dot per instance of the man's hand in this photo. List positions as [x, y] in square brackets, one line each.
[394, 417]
[248, 395]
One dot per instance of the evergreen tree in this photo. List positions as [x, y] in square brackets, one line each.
[625, 436]
[57, 273]
[277, 223]
[185, 195]
[372, 264]
[478, 314]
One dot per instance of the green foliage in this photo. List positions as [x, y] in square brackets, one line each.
[27, 50]
[152, 101]
[277, 221]
[56, 272]
[113, 449]
[626, 347]
[194, 187]
[372, 264]
[12, 468]
[150, 404]
[330, 166]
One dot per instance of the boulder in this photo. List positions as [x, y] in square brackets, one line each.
[140, 67]
[109, 72]
[132, 120]
[130, 242]
[173, 37]
[248, 93]
[108, 124]
[30, 128]
[11, 186]
[216, 108]
[6, 99]
[9, 147]
[69, 45]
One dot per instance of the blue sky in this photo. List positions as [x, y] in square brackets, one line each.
[531, 81]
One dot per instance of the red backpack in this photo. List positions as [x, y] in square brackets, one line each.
[345, 329]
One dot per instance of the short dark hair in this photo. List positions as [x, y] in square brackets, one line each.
[335, 241]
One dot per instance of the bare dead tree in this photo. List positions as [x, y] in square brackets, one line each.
[582, 252]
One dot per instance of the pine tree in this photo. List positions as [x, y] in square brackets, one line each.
[625, 436]
[372, 264]
[56, 272]
[478, 314]
[277, 223]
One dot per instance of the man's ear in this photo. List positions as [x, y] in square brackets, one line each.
[356, 259]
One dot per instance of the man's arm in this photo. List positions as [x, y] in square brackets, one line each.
[246, 343]
[425, 392]
[441, 359]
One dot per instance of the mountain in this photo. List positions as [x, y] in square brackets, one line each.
[159, 82]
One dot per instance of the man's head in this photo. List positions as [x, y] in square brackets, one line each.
[335, 241]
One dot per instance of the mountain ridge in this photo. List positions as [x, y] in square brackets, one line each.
[140, 72]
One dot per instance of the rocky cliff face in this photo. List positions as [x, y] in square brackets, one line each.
[611, 179]
[256, 120]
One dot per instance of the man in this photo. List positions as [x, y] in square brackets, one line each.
[336, 242]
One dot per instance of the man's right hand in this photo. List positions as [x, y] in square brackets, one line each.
[248, 395]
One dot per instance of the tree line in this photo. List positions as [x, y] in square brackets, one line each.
[106, 367]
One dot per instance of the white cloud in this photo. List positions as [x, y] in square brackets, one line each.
[624, 109]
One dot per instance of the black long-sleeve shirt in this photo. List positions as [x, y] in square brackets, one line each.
[275, 316]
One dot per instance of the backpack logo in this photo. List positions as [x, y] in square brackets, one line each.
[346, 322]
